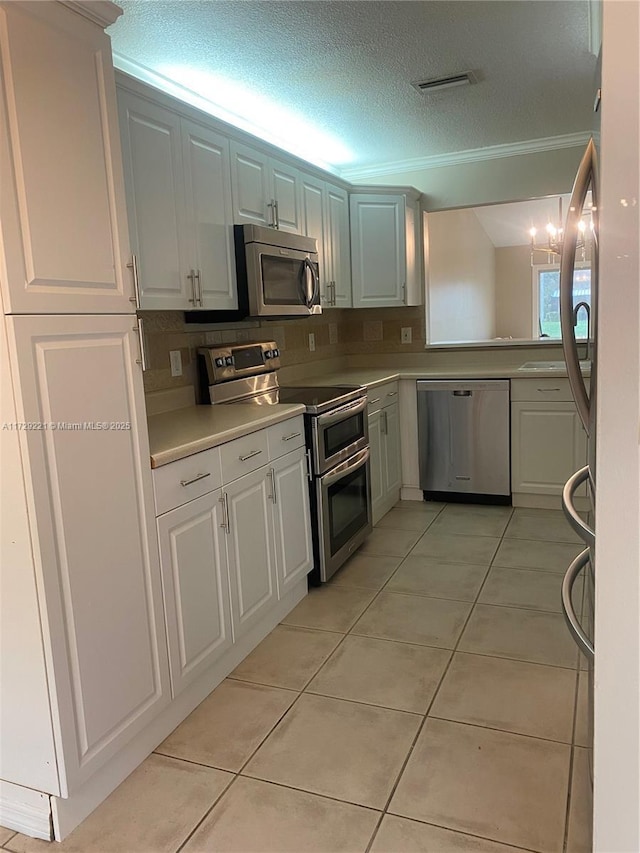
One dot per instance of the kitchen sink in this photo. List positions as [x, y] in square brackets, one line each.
[551, 365]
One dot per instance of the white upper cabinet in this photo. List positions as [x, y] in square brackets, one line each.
[62, 208]
[338, 246]
[386, 249]
[209, 232]
[325, 216]
[151, 149]
[266, 191]
[178, 183]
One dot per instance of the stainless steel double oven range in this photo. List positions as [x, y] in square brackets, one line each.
[337, 442]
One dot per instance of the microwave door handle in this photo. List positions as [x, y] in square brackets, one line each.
[584, 178]
[308, 276]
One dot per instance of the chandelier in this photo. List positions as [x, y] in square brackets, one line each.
[553, 237]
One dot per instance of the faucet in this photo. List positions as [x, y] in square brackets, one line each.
[587, 308]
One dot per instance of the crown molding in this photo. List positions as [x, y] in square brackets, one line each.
[101, 12]
[471, 155]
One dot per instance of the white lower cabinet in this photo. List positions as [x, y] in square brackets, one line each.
[384, 448]
[196, 587]
[231, 555]
[548, 443]
[294, 548]
[251, 549]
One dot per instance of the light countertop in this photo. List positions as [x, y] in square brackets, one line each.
[174, 435]
[179, 433]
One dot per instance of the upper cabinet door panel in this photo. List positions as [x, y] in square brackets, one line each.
[151, 149]
[285, 181]
[378, 250]
[59, 129]
[339, 240]
[314, 224]
[250, 182]
[209, 218]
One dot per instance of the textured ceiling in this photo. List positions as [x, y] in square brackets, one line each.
[339, 73]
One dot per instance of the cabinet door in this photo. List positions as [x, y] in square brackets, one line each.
[391, 453]
[375, 464]
[290, 497]
[250, 186]
[63, 221]
[250, 550]
[95, 546]
[378, 250]
[340, 246]
[151, 148]
[209, 216]
[196, 587]
[285, 184]
[548, 445]
[314, 225]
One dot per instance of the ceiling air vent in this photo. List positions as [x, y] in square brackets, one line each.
[439, 83]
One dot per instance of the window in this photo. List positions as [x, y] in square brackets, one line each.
[546, 287]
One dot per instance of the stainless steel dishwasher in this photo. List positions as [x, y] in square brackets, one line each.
[463, 439]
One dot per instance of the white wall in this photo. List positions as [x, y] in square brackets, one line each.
[514, 303]
[512, 178]
[461, 278]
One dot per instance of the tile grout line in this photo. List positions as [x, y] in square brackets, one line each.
[572, 758]
[433, 698]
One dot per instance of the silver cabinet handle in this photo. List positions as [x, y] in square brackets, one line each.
[192, 278]
[581, 639]
[547, 390]
[309, 466]
[385, 429]
[376, 400]
[587, 176]
[249, 455]
[392, 393]
[293, 435]
[275, 203]
[143, 355]
[271, 474]
[332, 285]
[133, 266]
[198, 293]
[226, 524]
[195, 479]
[581, 528]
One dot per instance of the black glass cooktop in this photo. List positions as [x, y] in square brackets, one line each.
[319, 398]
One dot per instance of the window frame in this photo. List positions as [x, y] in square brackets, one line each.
[536, 269]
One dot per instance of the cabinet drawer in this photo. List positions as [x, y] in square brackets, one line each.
[285, 436]
[382, 395]
[182, 481]
[244, 455]
[539, 390]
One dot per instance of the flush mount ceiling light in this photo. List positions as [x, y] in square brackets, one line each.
[437, 84]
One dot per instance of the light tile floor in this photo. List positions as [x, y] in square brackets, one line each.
[429, 698]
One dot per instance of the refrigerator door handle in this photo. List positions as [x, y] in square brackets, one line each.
[585, 177]
[581, 639]
[581, 528]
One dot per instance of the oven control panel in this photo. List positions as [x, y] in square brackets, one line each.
[235, 361]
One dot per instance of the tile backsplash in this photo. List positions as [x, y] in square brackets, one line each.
[338, 332]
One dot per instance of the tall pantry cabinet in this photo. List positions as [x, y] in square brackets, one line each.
[83, 660]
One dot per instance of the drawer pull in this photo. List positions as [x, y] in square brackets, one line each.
[546, 390]
[392, 393]
[226, 524]
[249, 455]
[377, 400]
[195, 479]
[293, 435]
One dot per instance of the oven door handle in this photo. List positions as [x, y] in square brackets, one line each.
[352, 464]
[348, 410]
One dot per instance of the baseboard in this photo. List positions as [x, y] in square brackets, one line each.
[67, 813]
[546, 501]
[25, 810]
[411, 493]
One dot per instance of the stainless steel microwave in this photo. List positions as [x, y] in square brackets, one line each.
[277, 272]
